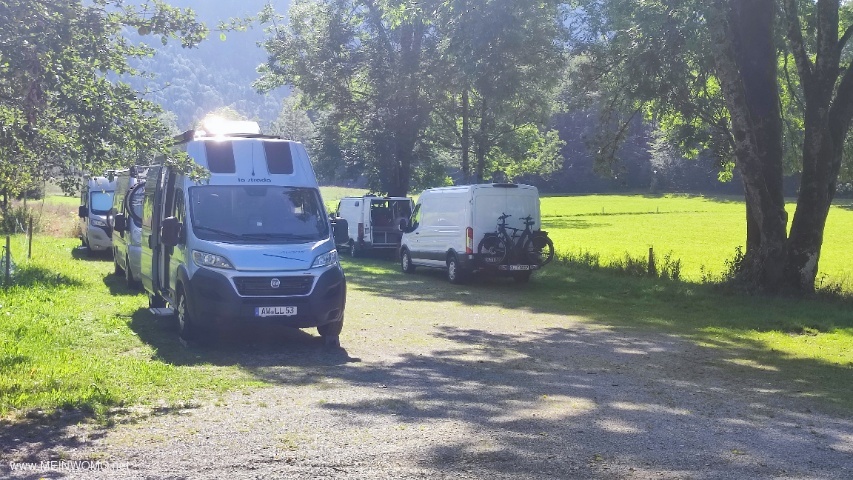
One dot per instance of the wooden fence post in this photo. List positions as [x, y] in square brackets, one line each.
[30, 239]
[8, 259]
[653, 271]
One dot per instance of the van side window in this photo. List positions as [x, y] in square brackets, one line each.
[416, 217]
[220, 157]
[279, 158]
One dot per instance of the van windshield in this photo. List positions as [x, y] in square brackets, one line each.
[101, 202]
[257, 214]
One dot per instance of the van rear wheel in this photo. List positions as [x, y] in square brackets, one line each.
[117, 270]
[455, 273]
[131, 282]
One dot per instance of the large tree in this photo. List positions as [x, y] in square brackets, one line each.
[685, 59]
[501, 62]
[364, 62]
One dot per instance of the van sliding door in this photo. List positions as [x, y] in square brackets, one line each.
[150, 240]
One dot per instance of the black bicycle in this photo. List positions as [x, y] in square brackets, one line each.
[531, 247]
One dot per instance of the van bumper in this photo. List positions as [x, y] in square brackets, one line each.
[213, 301]
[98, 238]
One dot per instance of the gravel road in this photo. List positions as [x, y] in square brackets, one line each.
[438, 382]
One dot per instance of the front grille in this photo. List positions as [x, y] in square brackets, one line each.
[262, 286]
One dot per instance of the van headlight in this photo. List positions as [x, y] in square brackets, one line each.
[97, 223]
[326, 259]
[204, 259]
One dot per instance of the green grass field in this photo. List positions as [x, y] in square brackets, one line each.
[699, 231]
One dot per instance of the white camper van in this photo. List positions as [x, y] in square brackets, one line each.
[96, 201]
[374, 222]
[449, 223]
[251, 243]
[127, 223]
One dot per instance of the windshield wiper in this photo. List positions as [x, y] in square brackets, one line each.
[216, 231]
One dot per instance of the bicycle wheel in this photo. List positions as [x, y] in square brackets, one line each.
[539, 249]
[492, 250]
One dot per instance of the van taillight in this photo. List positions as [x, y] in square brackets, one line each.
[469, 241]
[360, 232]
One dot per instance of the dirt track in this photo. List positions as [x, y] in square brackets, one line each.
[441, 382]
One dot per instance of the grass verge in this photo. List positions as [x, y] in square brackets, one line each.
[72, 336]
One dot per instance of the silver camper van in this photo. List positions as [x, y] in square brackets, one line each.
[96, 201]
[252, 243]
[126, 221]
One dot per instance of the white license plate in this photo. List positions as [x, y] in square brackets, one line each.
[275, 311]
[519, 267]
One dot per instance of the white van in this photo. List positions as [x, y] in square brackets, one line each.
[252, 243]
[127, 223]
[96, 201]
[374, 222]
[449, 223]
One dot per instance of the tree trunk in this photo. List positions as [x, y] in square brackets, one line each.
[481, 140]
[466, 137]
[827, 122]
[746, 66]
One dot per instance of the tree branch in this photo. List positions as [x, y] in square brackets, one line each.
[798, 46]
[842, 42]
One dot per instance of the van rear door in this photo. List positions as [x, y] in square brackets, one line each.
[493, 201]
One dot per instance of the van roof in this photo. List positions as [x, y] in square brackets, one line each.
[374, 197]
[101, 183]
[252, 159]
[482, 186]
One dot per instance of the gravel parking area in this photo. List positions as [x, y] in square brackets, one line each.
[433, 383]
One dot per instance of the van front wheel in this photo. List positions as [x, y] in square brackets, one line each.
[331, 332]
[406, 262]
[186, 328]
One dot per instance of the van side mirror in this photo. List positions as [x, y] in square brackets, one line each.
[340, 228]
[83, 211]
[170, 231]
[119, 222]
[404, 225]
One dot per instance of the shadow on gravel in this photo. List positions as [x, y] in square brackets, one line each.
[562, 403]
[251, 348]
[692, 311]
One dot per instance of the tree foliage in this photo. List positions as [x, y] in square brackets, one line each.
[61, 111]
[390, 77]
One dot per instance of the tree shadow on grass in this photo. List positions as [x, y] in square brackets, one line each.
[29, 276]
